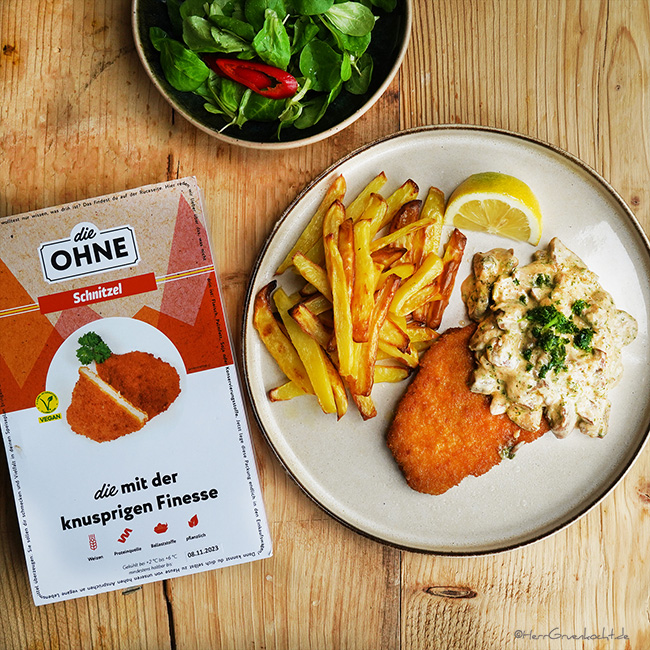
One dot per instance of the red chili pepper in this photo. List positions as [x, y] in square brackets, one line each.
[263, 79]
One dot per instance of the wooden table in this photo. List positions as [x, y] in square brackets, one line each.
[79, 118]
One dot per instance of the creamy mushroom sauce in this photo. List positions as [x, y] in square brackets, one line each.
[549, 339]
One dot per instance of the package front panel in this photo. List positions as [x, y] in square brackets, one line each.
[126, 437]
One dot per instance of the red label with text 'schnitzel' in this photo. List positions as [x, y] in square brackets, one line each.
[97, 293]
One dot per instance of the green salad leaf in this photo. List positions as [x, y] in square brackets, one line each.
[183, 68]
[322, 64]
[255, 11]
[272, 41]
[361, 75]
[312, 7]
[351, 18]
[323, 44]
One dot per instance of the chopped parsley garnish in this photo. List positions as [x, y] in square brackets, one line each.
[92, 349]
[557, 350]
[523, 300]
[542, 280]
[579, 306]
[527, 354]
[548, 326]
[550, 318]
[507, 452]
[583, 339]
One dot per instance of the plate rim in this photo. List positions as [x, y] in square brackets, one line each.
[247, 311]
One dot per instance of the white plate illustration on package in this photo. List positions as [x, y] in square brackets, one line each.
[114, 376]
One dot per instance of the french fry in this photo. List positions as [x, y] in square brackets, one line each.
[390, 351]
[313, 232]
[428, 240]
[390, 374]
[346, 248]
[394, 335]
[383, 375]
[285, 392]
[365, 405]
[317, 304]
[425, 296]
[313, 273]
[407, 214]
[403, 194]
[311, 324]
[402, 271]
[391, 238]
[375, 211]
[360, 203]
[385, 257]
[340, 394]
[341, 305]
[334, 217]
[311, 354]
[276, 341]
[445, 282]
[364, 376]
[403, 302]
[433, 207]
[420, 333]
[363, 289]
[313, 327]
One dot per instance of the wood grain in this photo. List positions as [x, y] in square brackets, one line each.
[79, 117]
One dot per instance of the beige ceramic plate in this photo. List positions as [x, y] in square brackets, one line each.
[345, 466]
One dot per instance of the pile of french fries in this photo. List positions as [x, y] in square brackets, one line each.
[375, 289]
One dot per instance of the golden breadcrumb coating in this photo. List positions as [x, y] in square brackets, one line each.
[99, 413]
[442, 432]
[145, 380]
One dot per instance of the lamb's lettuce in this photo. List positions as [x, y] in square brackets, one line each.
[322, 43]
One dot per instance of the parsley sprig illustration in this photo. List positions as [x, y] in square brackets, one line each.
[92, 348]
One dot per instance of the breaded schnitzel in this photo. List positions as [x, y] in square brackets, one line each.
[145, 380]
[99, 412]
[442, 432]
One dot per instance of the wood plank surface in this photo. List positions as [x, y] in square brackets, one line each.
[79, 117]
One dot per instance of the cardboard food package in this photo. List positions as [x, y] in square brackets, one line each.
[120, 405]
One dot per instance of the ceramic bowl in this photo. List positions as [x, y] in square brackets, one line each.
[388, 47]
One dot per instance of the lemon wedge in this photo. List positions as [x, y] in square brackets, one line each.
[496, 203]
